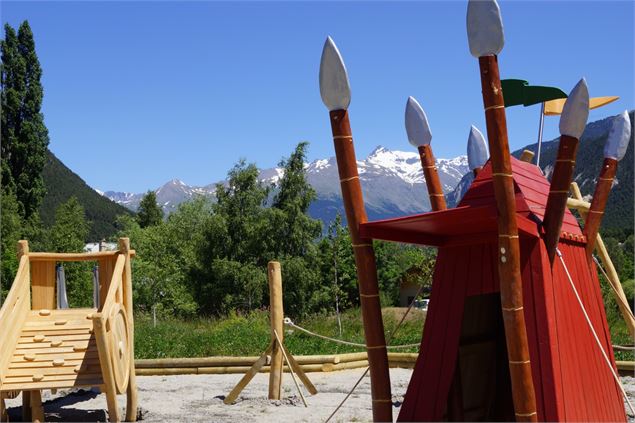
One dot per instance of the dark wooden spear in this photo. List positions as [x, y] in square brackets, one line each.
[419, 135]
[485, 36]
[614, 151]
[335, 91]
[572, 123]
[476, 150]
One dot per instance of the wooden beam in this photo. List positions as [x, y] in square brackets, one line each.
[231, 397]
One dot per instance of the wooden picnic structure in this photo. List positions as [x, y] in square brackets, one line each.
[42, 347]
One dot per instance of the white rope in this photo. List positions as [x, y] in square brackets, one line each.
[597, 340]
[289, 322]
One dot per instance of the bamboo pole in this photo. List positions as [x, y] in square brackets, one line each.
[509, 247]
[613, 278]
[365, 265]
[276, 313]
[559, 192]
[598, 204]
[527, 156]
[435, 192]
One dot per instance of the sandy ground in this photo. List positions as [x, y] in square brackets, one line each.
[200, 398]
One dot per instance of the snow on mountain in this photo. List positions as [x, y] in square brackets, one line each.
[392, 181]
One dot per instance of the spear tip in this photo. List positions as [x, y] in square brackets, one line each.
[334, 86]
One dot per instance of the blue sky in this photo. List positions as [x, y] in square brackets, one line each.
[137, 93]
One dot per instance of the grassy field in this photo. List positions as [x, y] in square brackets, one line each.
[244, 335]
[248, 335]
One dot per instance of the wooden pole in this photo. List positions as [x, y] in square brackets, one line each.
[277, 316]
[558, 193]
[435, 192]
[598, 204]
[527, 156]
[366, 266]
[613, 278]
[131, 393]
[509, 247]
[231, 397]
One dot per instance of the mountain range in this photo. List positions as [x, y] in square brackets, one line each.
[392, 182]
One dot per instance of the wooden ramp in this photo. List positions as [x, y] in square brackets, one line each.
[56, 349]
[46, 348]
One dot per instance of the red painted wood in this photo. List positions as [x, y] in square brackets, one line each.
[572, 381]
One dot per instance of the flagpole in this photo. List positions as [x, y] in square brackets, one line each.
[542, 124]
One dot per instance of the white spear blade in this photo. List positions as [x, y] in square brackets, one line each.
[334, 87]
[575, 111]
[476, 149]
[619, 137]
[484, 28]
[417, 126]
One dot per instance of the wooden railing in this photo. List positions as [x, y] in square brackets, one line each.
[14, 312]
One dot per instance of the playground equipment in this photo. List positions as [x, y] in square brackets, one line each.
[516, 327]
[42, 347]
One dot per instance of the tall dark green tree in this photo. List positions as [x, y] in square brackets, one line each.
[149, 213]
[24, 135]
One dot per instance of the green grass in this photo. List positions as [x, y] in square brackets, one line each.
[248, 335]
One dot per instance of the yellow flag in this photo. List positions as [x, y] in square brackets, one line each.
[554, 107]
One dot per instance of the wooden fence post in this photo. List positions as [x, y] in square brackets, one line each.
[276, 315]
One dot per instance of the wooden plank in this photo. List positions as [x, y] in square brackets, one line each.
[107, 372]
[54, 257]
[231, 397]
[63, 338]
[42, 285]
[51, 370]
[47, 363]
[59, 323]
[58, 332]
[48, 357]
[90, 347]
[58, 384]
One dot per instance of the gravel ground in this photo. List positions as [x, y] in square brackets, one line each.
[200, 398]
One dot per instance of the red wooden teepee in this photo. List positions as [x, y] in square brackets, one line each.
[462, 372]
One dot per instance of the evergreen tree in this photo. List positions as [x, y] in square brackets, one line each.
[24, 135]
[68, 235]
[10, 231]
[149, 213]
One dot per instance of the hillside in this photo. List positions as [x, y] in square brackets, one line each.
[61, 183]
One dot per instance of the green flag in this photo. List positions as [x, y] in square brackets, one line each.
[518, 91]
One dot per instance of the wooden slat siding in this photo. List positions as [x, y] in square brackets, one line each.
[462, 264]
[412, 400]
[594, 303]
[529, 304]
[592, 378]
[43, 285]
[547, 333]
[570, 336]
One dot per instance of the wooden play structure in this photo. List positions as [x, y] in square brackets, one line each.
[45, 348]
[516, 328]
[276, 352]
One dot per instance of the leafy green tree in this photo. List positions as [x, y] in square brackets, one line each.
[166, 254]
[295, 230]
[24, 135]
[149, 212]
[68, 235]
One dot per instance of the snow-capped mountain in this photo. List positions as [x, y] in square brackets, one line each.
[392, 181]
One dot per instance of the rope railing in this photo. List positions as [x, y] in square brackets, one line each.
[289, 322]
